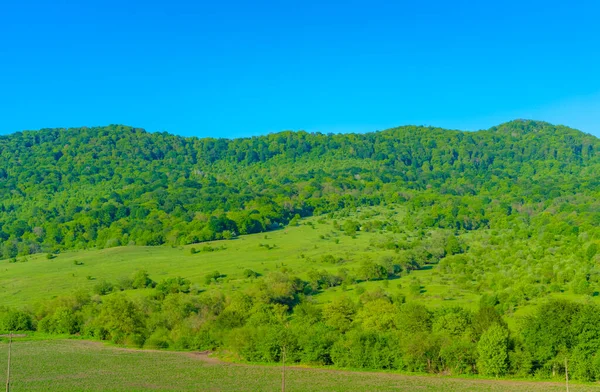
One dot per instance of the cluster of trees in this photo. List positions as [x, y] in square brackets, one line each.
[116, 185]
[526, 251]
[379, 331]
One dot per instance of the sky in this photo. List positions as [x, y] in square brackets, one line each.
[242, 68]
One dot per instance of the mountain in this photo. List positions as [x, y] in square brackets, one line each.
[117, 185]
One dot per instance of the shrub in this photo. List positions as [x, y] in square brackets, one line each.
[103, 288]
[248, 273]
[15, 320]
[141, 280]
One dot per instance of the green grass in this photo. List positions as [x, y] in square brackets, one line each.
[39, 279]
[74, 365]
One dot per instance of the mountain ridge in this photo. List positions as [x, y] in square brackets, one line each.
[532, 125]
[82, 187]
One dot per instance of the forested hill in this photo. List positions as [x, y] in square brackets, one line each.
[117, 185]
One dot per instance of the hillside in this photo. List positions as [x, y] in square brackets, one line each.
[412, 249]
[102, 187]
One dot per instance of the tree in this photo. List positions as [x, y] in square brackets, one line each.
[453, 245]
[120, 317]
[212, 277]
[370, 270]
[414, 318]
[591, 251]
[493, 351]
[14, 320]
[351, 227]
[141, 280]
[339, 313]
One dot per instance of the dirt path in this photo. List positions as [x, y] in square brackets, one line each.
[204, 356]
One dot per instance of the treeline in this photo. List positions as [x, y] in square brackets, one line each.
[379, 331]
[110, 186]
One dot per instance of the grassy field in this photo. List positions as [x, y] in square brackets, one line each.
[74, 365]
[34, 279]
[298, 249]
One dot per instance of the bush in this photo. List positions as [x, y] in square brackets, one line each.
[103, 288]
[173, 286]
[15, 320]
[141, 280]
[62, 321]
[369, 270]
[212, 277]
[248, 273]
[159, 339]
[367, 350]
[124, 283]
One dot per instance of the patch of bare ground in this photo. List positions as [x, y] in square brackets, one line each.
[204, 356]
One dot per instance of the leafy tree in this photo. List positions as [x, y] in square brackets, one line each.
[140, 280]
[370, 270]
[340, 313]
[493, 351]
[120, 317]
[173, 286]
[14, 320]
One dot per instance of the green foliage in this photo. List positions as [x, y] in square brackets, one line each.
[453, 245]
[109, 185]
[103, 288]
[141, 280]
[370, 270]
[248, 273]
[339, 314]
[367, 350]
[173, 286]
[508, 216]
[14, 320]
[493, 351]
[350, 227]
[63, 320]
[119, 317]
[212, 277]
[414, 318]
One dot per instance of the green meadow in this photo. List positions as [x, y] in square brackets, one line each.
[297, 249]
[75, 365]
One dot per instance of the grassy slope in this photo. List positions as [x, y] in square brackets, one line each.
[38, 279]
[67, 365]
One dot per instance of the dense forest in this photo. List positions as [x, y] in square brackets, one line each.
[511, 213]
[104, 187]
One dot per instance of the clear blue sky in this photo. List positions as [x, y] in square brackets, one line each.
[232, 68]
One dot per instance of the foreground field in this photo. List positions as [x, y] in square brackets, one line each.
[71, 365]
